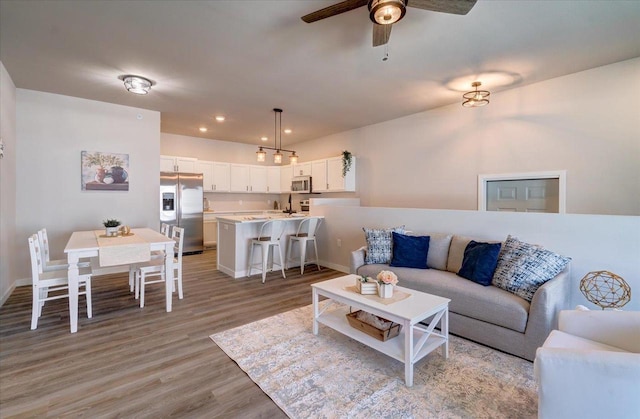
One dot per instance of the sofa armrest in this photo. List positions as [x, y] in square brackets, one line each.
[357, 259]
[616, 328]
[587, 384]
[549, 299]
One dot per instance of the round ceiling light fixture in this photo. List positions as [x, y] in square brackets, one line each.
[386, 12]
[136, 84]
[475, 98]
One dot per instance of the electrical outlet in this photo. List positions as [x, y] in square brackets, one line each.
[339, 241]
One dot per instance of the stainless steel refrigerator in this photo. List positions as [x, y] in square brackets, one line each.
[181, 205]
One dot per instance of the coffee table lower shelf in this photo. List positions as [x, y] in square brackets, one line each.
[337, 320]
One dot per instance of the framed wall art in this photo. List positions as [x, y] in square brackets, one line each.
[105, 171]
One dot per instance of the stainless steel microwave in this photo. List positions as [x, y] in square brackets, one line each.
[301, 184]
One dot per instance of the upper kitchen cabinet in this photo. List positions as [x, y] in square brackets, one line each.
[221, 177]
[301, 169]
[178, 164]
[206, 168]
[319, 176]
[335, 181]
[215, 176]
[286, 173]
[248, 178]
[273, 179]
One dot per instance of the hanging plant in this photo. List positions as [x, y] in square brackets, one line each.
[346, 162]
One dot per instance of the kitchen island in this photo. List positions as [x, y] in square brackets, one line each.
[235, 233]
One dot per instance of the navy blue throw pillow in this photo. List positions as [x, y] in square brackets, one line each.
[479, 262]
[410, 251]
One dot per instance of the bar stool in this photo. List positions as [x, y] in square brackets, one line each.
[268, 238]
[306, 233]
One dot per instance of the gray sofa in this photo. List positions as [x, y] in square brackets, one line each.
[485, 314]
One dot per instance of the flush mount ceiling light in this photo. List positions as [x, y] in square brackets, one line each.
[220, 118]
[203, 129]
[277, 156]
[475, 98]
[387, 12]
[136, 84]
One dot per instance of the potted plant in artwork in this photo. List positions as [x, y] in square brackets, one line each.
[103, 162]
[386, 281]
[347, 159]
[111, 226]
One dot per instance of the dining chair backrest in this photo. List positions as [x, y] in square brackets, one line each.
[165, 229]
[309, 226]
[43, 240]
[271, 230]
[177, 234]
[36, 257]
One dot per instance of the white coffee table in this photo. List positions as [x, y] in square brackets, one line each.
[415, 340]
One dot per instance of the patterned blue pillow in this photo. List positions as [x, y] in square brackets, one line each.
[379, 244]
[523, 267]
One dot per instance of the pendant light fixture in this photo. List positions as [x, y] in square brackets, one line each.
[277, 156]
[476, 98]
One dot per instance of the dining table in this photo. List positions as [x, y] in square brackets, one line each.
[124, 249]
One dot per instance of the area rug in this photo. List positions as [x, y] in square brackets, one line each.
[333, 376]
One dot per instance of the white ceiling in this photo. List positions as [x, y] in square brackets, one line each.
[243, 58]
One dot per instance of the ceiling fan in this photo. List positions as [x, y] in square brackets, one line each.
[384, 13]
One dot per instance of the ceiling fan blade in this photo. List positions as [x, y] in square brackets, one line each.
[381, 34]
[456, 7]
[336, 9]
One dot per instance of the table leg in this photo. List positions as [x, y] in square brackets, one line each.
[444, 328]
[408, 353]
[314, 294]
[168, 271]
[72, 259]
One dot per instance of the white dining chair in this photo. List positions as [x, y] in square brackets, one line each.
[305, 234]
[155, 269]
[52, 282]
[56, 264]
[155, 255]
[268, 239]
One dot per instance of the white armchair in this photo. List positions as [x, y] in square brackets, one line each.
[590, 367]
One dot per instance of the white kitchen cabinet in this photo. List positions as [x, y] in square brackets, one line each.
[273, 179]
[257, 179]
[335, 181]
[210, 232]
[221, 177]
[286, 173]
[239, 177]
[178, 164]
[319, 176]
[302, 169]
[206, 168]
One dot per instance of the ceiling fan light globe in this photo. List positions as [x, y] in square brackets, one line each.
[387, 12]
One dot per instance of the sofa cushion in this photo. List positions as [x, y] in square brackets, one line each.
[489, 304]
[523, 267]
[480, 261]
[438, 251]
[379, 244]
[456, 253]
[410, 251]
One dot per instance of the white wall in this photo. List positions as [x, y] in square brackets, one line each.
[8, 245]
[52, 131]
[594, 242]
[206, 149]
[586, 123]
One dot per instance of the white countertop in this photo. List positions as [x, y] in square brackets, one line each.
[261, 218]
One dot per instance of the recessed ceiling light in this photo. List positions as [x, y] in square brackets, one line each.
[220, 118]
[203, 129]
[264, 138]
[287, 131]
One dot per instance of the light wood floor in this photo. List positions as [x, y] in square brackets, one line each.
[133, 362]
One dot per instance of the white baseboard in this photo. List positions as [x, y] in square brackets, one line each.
[7, 294]
[334, 266]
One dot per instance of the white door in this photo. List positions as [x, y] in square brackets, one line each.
[526, 195]
[319, 175]
[206, 168]
[239, 178]
[221, 175]
[186, 164]
[167, 164]
[258, 179]
[273, 179]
